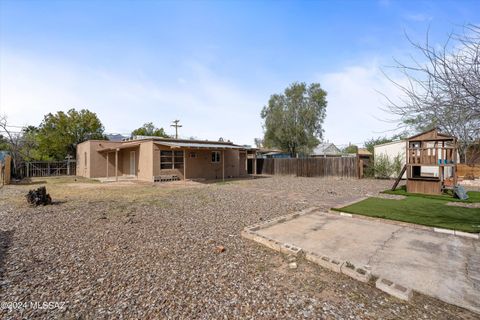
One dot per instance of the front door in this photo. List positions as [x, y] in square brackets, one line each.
[132, 163]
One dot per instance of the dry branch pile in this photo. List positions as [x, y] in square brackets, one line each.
[38, 197]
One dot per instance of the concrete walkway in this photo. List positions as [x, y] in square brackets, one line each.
[439, 265]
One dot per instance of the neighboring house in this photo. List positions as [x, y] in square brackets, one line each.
[277, 155]
[326, 150]
[365, 156]
[391, 150]
[264, 153]
[153, 158]
[364, 153]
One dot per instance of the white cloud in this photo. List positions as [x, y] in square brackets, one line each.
[355, 104]
[208, 105]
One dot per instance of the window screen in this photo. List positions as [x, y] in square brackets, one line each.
[215, 156]
[171, 159]
[166, 159]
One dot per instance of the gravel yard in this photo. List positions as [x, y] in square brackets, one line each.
[147, 252]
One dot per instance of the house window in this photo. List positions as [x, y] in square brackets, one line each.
[171, 159]
[193, 155]
[166, 159]
[178, 160]
[215, 156]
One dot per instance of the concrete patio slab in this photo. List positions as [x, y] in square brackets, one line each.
[440, 265]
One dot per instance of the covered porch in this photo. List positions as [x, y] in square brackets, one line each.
[121, 163]
[199, 161]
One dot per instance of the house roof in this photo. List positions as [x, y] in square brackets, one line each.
[173, 140]
[272, 153]
[326, 149]
[433, 134]
[199, 145]
[173, 143]
[364, 151]
[387, 143]
[119, 146]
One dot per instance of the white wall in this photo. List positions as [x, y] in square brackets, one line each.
[391, 150]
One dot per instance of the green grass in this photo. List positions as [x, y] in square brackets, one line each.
[419, 210]
[473, 196]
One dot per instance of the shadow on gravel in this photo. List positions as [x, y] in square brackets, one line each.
[5, 243]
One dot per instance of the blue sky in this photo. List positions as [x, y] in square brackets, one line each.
[211, 64]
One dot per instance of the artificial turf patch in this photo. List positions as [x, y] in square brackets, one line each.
[419, 210]
[473, 196]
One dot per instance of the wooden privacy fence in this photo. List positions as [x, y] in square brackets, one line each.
[467, 171]
[48, 168]
[347, 167]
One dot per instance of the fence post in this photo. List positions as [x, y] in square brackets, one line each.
[28, 169]
[8, 169]
[68, 167]
[357, 160]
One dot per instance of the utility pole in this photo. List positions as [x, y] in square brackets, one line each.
[176, 125]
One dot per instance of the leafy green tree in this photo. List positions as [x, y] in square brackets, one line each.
[60, 133]
[149, 129]
[294, 119]
[371, 143]
[351, 148]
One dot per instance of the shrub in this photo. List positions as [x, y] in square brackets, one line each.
[384, 168]
[397, 164]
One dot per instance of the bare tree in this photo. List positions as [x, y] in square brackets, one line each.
[12, 139]
[442, 90]
[258, 143]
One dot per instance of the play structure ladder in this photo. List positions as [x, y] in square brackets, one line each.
[399, 177]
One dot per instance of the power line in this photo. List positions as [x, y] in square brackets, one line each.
[176, 125]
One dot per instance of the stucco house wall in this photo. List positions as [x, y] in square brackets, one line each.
[92, 160]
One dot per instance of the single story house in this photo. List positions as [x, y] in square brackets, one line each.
[326, 150]
[156, 159]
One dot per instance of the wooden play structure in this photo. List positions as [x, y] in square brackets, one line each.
[431, 162]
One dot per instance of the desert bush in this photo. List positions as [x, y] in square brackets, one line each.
[397, 164]
[384, 168]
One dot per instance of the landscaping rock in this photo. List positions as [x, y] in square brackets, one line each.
[219, 249]
[162, 267]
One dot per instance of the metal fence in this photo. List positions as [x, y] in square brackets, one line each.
[347, 167]
[47, 168]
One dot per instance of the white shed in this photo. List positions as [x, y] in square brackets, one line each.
[391, 150]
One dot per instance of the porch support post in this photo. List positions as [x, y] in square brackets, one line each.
[185, 165]
[246, 163]
[116, 164]
[107, 163]
[255, 163]
[223, 165]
